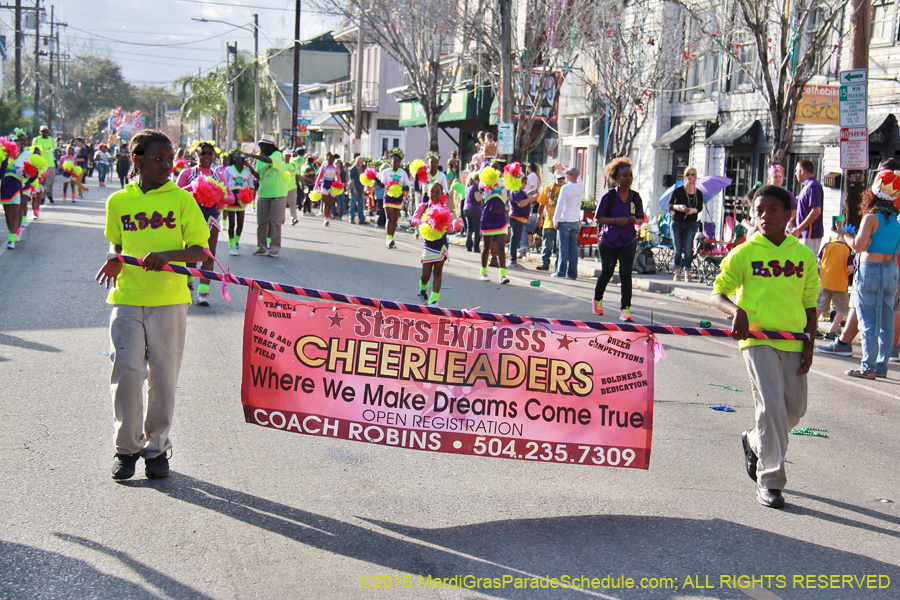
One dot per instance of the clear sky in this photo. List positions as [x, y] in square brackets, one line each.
[94, 24]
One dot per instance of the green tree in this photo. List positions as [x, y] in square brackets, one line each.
[95, 84]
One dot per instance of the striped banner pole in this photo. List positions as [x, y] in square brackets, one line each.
[457, 313]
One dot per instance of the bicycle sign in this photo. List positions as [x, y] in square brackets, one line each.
[818, 104]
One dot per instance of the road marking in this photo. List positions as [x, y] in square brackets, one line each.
[759, 593]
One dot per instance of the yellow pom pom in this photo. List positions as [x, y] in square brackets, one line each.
[366, 181]
[79, 170]
[416, 165]
[395, 190]
[39, 162]
[68, 166]
[429, 233]
[512, 183]
[315, 196]
[489, 177]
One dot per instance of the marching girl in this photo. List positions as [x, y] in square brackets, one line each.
[239, 180]
[494, 221]
[433, 219]
[394, 181]
[429, 174]
[326, 178]
[206, 157]
[67, 164]
[14, 203]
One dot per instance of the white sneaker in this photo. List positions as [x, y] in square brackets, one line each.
[433, 303]
[203, 299]
[233, 251]
[10, 245]
[325, 223]
[391, 244]
[484, 277]
[504, 279]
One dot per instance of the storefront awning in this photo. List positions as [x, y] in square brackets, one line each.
[674, 135]
[875, 123]
[744, 132]
[464, 106]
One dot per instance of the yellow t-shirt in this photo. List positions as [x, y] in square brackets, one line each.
[835, 257]
[164, 219]
[271, 177]
[775, 285]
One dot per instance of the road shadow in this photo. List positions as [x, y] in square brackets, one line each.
[29, 572]
[593, 545]
[11, 340]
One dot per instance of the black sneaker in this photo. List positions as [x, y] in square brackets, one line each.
[423, 295]
[123, 465]
[750, 458]
[156, 468]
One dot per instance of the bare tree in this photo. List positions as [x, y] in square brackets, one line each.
[630, 56]
[431, 39]
[779, 47]
[544, 45]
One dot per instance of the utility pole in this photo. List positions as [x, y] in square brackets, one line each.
[505, 61]
[860, 27]
[19, 51]
[37, 58]
[295, 88]
[229, 97]
[357, 112]
[50, 89]
[255, 77]
[234, 94]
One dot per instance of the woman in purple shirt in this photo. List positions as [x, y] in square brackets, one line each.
[618, 211]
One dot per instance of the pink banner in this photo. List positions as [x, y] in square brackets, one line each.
[441, 384]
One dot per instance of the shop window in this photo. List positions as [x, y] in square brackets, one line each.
[739, 168]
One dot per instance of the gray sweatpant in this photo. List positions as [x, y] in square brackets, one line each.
[780, 397]
[269, 219]
[292, 202]
[147, 343]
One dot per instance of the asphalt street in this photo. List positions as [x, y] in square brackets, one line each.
[250, 512]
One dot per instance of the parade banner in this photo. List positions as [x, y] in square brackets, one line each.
[534, 391]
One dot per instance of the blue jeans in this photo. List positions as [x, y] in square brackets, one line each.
[549, 242]
[683, 234]
[102, 170]
[357, 206]
[567, 265]
[340, 206]
[515, 240]
[473, 230]
[875, 288]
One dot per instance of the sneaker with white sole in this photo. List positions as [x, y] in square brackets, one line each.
[597, 307]
[484, 277]
[625, 316]
[423, 295]
[391, 244]
[233, 251]
[504, 280]
[203, 299]
[837, 348]
[10, 245]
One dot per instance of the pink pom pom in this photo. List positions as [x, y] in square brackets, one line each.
[514, 169]
[246, 195]
[12, 149]
[371, 173]
[206, 192]
[457, 225]
[440, 218]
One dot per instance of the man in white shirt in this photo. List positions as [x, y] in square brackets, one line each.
[567, 219]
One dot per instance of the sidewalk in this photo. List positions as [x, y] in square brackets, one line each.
[589, 268]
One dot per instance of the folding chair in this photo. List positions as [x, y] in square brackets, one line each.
[661, 238]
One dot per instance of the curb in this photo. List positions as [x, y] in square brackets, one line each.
[586, 270]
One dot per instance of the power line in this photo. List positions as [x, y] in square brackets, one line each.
[155, 45]
[87, 39]
[307, 12]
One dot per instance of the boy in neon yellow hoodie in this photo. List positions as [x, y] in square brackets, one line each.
[776, 279]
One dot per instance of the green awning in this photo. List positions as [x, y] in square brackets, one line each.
[464, 106]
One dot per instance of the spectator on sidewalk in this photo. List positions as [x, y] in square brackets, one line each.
[357, 193]
[810, 222]
[548, 199]
[835, 267]
[567, 219]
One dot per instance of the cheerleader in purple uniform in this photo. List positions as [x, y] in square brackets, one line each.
[433, 219]
[494, 221]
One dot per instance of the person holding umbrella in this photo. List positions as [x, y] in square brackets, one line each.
[685, 204]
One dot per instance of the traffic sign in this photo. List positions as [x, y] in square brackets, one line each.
[853, 76]
[505, 138]
[854, 148]
[852, 104]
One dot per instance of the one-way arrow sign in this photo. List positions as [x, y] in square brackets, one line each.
[854, 76]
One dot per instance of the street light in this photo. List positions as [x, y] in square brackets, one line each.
[255, 32]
